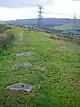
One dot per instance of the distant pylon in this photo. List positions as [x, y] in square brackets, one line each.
[74, 25]
[40, 14]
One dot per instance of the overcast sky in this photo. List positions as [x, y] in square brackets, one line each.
[21, 9]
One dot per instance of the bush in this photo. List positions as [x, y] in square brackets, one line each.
[6, 39]
[9, 38]
[1, 41]
[4, 28]
[55, 37]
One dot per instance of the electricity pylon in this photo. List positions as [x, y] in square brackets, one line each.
[74, 25]
[40, 7]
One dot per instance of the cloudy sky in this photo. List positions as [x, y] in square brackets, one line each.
[21, 9]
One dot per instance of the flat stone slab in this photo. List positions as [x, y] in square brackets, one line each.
[21, 86]
[25, 54]
[22, 64]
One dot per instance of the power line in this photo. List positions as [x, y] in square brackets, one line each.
[74, 25]
[40, 7]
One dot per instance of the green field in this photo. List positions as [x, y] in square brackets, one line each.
[55, 74]
[64, 27]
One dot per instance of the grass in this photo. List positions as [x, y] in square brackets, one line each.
[56, 72]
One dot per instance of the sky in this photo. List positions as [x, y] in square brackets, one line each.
[25, 9]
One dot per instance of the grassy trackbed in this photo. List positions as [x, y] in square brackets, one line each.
[56, 72]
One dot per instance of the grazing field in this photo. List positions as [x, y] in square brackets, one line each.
[55, 71]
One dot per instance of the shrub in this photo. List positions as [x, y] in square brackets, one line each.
[9, 38]
[1, 41]
[55, 37]
[4, 28]
[6, 39]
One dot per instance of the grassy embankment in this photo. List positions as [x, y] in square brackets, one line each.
[56, 72]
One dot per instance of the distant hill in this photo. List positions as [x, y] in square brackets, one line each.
[45, 21]
[57, 25]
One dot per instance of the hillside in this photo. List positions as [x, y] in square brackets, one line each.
[54, 70]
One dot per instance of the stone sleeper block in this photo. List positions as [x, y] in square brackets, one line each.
[23, 64]
[21, 86]
[25, 54]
